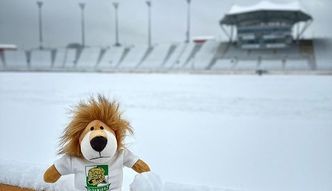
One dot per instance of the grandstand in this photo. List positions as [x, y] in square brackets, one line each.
[263, 37]
[266, 25]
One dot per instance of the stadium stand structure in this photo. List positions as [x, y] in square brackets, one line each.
[60, 58]
[157, 57]
[41, 59]
[260, 38]
[133, 57]
[183, 54]
[71, 58]
[323, 56]
[173, 55]
[304, 55]
[169, 54]
[266, 25]
[205, 54]
[2, 60]
[111, 58]
[88, 58]
[16, 60]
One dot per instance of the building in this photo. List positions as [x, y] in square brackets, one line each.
[266, 24]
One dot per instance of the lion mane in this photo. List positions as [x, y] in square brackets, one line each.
[98, 108]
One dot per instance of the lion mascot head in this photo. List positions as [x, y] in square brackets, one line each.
[96, 130]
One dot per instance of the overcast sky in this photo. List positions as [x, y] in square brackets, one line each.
[19, 20]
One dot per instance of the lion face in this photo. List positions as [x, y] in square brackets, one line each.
[95, 131]
[98, 142]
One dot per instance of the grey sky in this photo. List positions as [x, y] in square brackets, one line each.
[18, 20]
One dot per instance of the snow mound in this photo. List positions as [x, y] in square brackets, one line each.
[148, 181]
[27, 175]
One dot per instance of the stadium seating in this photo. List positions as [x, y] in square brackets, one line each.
[296, 65]
[224, 64]
[16, 59]
[88, 58]
[65, 58]
[41, 59]
[271, 65]
[323, 54]
[60, 55]
[2, 60]
[183, 55]
[172, 58]
[157, 57]
[211, 55]
[111, 57]
[204, 56]
[133, 58]
[247, 65]
[169, 54]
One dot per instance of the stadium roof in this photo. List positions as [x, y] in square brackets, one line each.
[8, 47]
[266, 10]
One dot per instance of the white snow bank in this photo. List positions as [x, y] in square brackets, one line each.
[147, 181]
[29, 175]
[183, 187]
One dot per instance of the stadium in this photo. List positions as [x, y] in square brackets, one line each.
[262, 38]
[238, 98]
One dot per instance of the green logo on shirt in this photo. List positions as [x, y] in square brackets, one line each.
[97, 178]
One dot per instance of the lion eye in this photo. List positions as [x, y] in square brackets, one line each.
[92, 128]
[101, 127]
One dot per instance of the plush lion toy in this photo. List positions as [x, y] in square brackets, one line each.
[93, 148]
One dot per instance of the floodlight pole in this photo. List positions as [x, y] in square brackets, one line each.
[188, 21]
[116, 6]
[148, 3]
[82, 6]
[40, 5]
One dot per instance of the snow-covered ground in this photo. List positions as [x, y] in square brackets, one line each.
[248, 133]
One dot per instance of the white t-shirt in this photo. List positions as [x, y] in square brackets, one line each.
[97, 177]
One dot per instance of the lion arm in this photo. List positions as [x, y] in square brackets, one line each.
[51, 175]
[140, 167]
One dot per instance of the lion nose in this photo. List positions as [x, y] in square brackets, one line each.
[98, 143]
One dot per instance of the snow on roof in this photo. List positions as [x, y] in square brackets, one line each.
[8, 46]
[267, 6]
[204, 38]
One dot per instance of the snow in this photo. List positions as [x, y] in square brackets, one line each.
[8, 46]
[217, 132]
[30, 175]
[147, 181]
[268, 6]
